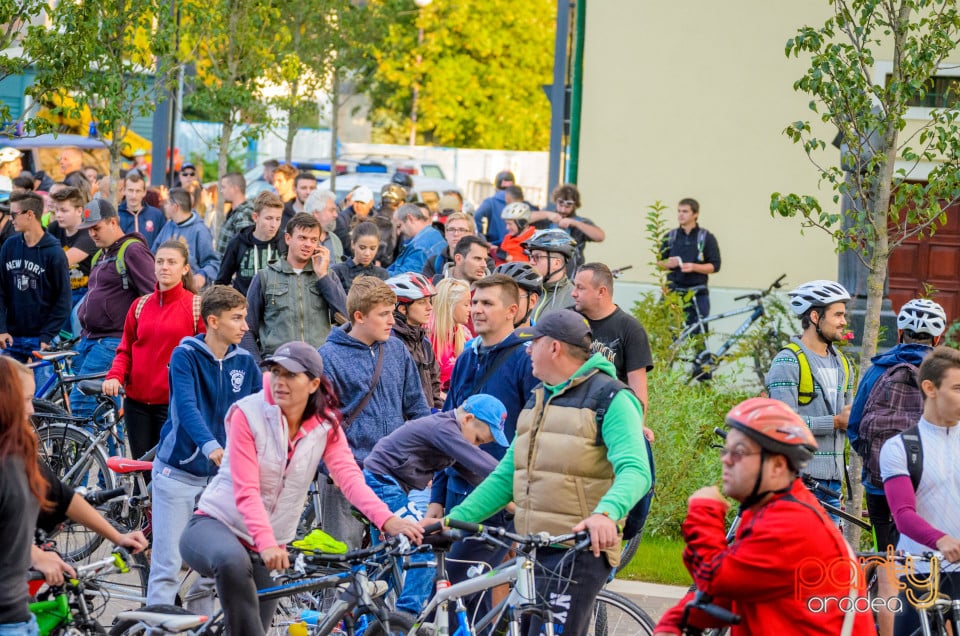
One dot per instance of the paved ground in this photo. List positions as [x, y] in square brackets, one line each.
[655, 599]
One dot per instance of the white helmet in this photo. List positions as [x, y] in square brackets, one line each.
[922, 316]
[518, 211]
[816, 293]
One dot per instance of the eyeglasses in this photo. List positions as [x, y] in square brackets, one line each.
[12, 213]
[188, 174]
[536, 258]
[566, 203]
[457, 230]
[736, 454]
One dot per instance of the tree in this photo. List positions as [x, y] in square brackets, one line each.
[918, 36]
[113, 48]
[480, 72]
[235, 42]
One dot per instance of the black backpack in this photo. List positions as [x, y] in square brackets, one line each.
[894, 405]
[914, 447]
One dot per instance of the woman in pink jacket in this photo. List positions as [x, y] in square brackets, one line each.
[275, 441]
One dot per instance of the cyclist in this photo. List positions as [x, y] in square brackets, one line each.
[516, 218]
[412, 315]
[530, 283]
[810, 376]
[549, 252]
[451, 315]
[782, 529]
[557, 469]
[457, 226]
[925, 509]
[278, 436]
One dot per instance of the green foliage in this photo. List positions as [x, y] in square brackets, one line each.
[17, 55]
[658, 560]
[480, 72]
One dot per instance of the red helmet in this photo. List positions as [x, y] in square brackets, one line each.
[776, 427]
[411, 286]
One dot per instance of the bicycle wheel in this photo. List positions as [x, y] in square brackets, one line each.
[629, 551]
[74, 457]
[400, 624]
[123, 590]
[615, 615]
[43, 409]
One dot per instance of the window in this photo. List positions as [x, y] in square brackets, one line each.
[943, 91]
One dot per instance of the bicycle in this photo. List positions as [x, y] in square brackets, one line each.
[72, 608]
[53, 395]
[358, 610]
[612, 614]
[706, 362]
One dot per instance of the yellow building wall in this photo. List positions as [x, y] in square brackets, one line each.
[690, 98]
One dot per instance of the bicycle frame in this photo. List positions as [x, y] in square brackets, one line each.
[757, 312]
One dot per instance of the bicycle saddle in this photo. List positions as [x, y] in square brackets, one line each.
[90, 387]
[122, 465]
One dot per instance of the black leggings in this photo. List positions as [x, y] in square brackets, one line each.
[570, 600]
[143, 422]
[211, 548]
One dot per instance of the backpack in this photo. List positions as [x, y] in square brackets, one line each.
[196, 309]
[894, 405]
[914, 447]
[701, 241]
[806, 390]
[121, 264]
[637, 516]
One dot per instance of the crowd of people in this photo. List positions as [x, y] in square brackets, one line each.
[432, 363]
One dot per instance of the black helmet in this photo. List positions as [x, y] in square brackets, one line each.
[523, 274]
[403, 180]
[392, 194]
[551, 241]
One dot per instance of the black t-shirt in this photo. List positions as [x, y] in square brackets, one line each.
[82, 241]
[60, 494]
[696, 246]
[623, 340]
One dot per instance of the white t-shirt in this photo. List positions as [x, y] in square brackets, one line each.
[938, 494]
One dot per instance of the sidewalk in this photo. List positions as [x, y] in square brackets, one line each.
[653, 598]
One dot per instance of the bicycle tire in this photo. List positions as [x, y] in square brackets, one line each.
[135, 628]
[61, 446]
[43, 409]
[615, 615]
[400, 624]
[629, 551]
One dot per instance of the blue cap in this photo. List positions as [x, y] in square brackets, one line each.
[491, 412]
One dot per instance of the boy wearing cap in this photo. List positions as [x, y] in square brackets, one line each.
[208, 373]
[402, 465]
[34, 282]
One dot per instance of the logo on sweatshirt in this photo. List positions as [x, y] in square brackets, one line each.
[236, 379]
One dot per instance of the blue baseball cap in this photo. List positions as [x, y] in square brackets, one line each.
[491, 412]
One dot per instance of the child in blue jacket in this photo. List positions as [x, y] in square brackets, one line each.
[208, 373]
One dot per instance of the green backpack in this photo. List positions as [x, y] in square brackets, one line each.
[121, 265]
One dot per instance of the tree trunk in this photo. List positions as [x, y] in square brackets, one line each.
[225, 135]
[293, 126]
[116, 142]
[334, 119]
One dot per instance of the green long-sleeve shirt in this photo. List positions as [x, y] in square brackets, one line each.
[623, 436]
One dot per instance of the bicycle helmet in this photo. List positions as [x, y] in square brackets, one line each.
[403, 180]
[816, 293]
[518, 211]
[523, 274]
[552, 240]
[392, 194]
[776, 428]
[922, 316]
[411, 286]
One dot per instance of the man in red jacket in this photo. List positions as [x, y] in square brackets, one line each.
[788, 570]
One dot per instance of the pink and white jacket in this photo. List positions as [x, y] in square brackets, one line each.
[262, 484]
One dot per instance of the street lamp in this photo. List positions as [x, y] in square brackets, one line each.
[416, 83]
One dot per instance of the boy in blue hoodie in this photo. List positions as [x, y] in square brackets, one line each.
[34, 282]
[208, 373]
[186, 225]
[351, 356]
[402, 464]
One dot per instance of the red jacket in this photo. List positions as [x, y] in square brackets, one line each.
[511, 250]
[143, 354]
[775, 573]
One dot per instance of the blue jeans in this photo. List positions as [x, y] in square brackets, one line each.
[418, 582]
[28, 628]
[832, 484]
[22, 351]
[96, 355]
[173, 503]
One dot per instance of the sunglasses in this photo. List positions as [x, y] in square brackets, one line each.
[566, 202]
[191, 173]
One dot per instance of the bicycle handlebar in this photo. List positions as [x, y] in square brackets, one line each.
[812, 484]
[616, 273]
[542, 539]
[703, 602]
[99, 497]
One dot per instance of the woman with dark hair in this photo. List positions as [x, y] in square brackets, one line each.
[22, 494]
[275, 440]
[154, 326]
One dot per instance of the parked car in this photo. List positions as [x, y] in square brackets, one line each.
[319, 167]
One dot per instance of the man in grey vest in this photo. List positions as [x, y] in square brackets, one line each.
[295, 298]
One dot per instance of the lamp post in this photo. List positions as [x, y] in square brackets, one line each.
[416, 83]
